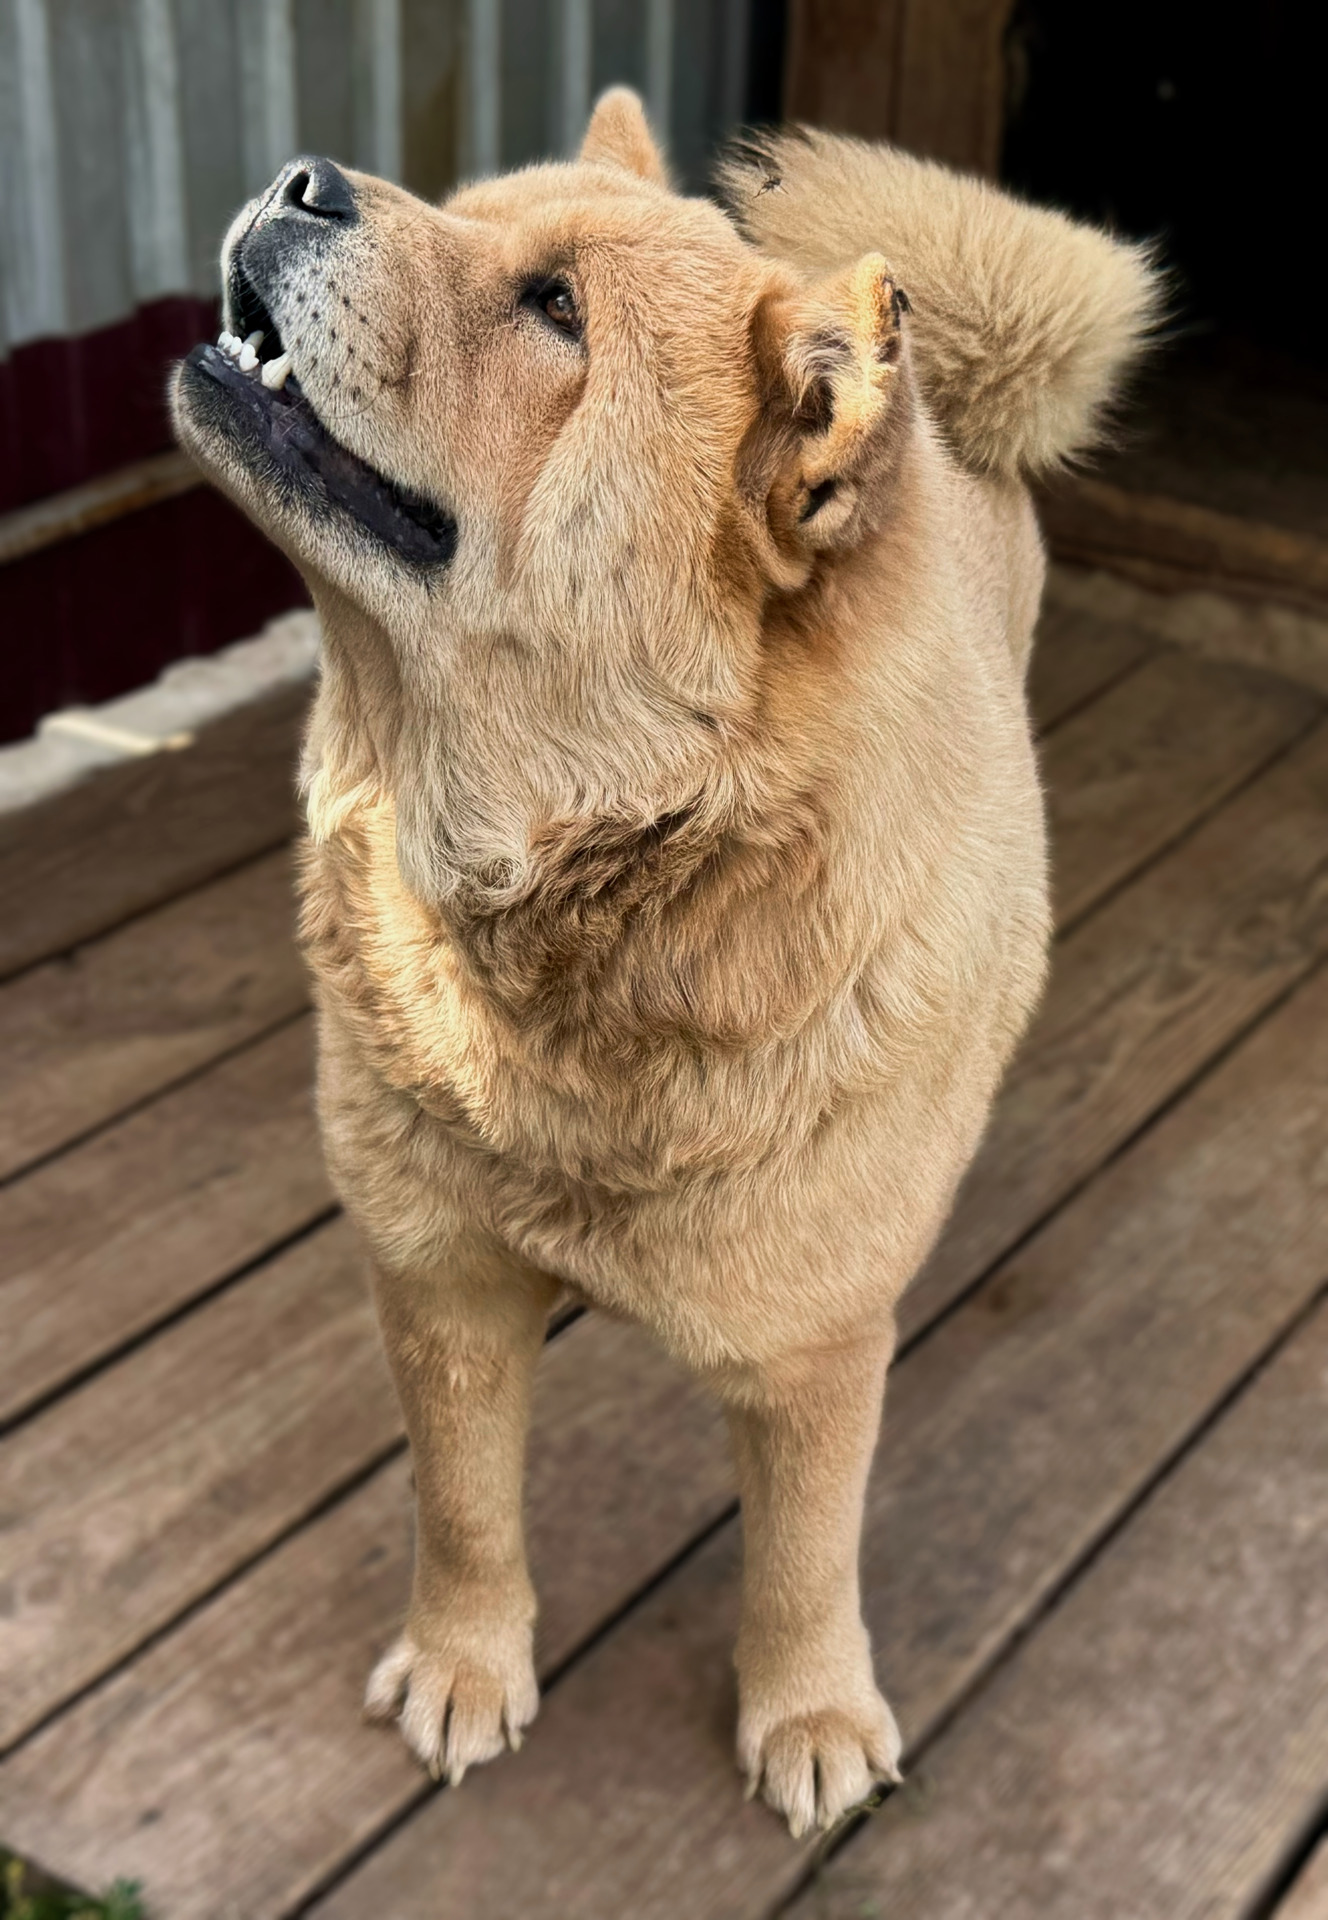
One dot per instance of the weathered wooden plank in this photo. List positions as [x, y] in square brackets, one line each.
[926, 73]
[125, 1501]
[1076, 656]
[1178, 544]
[1157, 1745]
[245, 1721]
[1163, 977]
[1307, 1897]
[1152, 756]
[1015, 1439]
[132, 836]
[84, 1037]
[244, 1584]
[103, 1242]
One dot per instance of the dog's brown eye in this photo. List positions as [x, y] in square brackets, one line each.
[560, 306]
[555, 301]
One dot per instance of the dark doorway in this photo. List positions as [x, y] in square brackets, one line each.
[1203, 130]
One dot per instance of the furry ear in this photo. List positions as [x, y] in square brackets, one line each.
[837, 406]
[619, 136]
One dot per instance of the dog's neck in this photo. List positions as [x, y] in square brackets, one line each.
[612, 919]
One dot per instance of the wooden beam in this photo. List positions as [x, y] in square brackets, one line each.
[927, 73]
[1173, 544]
[62, 516]
[843, 64]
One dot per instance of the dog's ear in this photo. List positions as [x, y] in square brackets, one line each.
[835, 405]
[619, 136]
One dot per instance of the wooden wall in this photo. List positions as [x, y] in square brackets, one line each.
[929, 74]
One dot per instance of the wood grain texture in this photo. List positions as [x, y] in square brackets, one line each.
[1132, 772]
[127, 838]
[951, 87]
[110, 1238]
[842, 64]
[84, 1037]
[1163, 977]
[1180, 545]
[1152, 1746]
[1077, 656]
[1307, 1897]
[246, 1720]
[1013, 1440]
[927, 73]
[129, 1498]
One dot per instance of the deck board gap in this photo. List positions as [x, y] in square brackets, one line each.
[1306, 1859]
[349, 1484]
[549, 1679]
[1071, 923]
[1043, 731]
[252, 858]
[146, 1100]
[1053, 1599]
[10, 1423]
[914, 1337]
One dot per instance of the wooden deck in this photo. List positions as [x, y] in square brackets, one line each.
[1096, 1552]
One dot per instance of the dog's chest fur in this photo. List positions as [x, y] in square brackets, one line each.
[615, 1061]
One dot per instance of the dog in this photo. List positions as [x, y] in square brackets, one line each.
[675, 886]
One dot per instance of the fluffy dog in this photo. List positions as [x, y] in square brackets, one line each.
[675, 884]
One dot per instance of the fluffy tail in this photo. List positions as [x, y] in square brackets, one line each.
[1024, 322]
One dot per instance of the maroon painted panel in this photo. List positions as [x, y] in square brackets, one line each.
[102, 614]
[72, 409]
[96, 616]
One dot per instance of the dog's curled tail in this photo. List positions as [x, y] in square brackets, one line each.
[1023, 322]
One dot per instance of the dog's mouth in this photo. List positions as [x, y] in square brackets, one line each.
[268, 414]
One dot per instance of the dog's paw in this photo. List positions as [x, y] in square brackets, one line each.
[463, 1697]
[816, 1766]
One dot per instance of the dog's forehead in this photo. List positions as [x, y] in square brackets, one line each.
[579, 214]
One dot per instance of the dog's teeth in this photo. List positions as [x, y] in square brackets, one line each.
[248, 358]
[274, 373]
[224, 340]
[233, 347]
[255, 340]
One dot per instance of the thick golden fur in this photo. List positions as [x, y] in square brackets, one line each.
[1025, 320]
[675, 892]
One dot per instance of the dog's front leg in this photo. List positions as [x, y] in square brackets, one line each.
[814, 1734]
[463, 1346]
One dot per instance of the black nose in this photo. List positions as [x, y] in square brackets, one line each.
[320, 188]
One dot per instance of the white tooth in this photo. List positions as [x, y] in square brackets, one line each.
[248, 358]
[255, 340]
[224, 341]
[234, 349]
[274, 372]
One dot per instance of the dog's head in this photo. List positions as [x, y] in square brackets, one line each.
[546, 454]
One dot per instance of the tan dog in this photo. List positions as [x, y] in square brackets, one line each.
[675, 887]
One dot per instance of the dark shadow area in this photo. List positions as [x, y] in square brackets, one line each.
[1202, 130]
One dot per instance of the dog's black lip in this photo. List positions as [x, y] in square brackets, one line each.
[308, 461]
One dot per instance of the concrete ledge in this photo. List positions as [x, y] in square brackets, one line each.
[166, 716]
